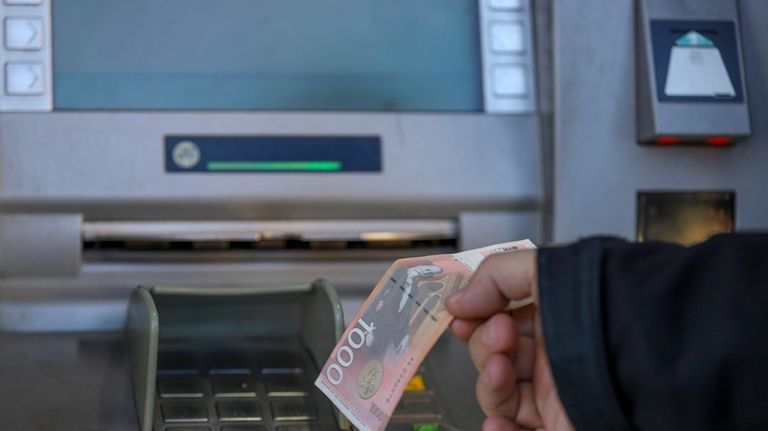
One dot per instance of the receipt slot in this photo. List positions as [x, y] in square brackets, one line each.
[690, 76]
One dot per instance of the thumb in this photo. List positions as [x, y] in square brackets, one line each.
[499, 279]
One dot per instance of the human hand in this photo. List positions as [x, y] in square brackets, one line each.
[515, 388]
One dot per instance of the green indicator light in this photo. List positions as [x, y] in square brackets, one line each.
[309, 166]
[426, 427]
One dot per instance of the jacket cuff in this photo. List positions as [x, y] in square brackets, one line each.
[570, 301]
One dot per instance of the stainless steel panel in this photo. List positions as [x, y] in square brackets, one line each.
[39, 245]
[110, 166]
[478, 229]
[65, 382]
[598, 166]
[41, 56]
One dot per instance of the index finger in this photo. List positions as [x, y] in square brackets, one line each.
[499, 279]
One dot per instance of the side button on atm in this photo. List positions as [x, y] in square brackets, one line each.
[24, 79]
[24, 33]
[510, 80]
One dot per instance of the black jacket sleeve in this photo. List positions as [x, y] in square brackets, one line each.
[656, 336]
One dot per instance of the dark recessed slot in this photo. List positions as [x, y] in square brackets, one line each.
[265, 246]
[686, 30]
[684, 217]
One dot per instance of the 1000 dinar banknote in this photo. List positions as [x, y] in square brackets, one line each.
[394, 330]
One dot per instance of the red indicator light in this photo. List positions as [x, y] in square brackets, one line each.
[719, 140]
[667, 140]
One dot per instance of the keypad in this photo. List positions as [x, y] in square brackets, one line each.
[265, 389]
[239, 390]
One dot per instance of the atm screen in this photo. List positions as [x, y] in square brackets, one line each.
[369, 55]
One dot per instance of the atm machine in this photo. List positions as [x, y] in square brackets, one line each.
[192, 192]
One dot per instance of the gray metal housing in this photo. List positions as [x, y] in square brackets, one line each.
[685, 120]
[598, 167]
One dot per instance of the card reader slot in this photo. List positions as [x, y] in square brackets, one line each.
[301, 230]
[266, 241]
[265, 246]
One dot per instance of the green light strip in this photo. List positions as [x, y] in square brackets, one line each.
[313, 166]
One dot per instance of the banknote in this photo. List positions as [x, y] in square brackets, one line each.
[394, 330]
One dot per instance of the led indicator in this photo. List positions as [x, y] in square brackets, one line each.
[719, 140]
[273, 166]
[667, 140]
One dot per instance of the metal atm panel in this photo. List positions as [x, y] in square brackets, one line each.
[93, 203]
[690, 73]
[599, 168]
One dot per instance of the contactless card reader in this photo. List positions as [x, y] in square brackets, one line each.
[690, 74]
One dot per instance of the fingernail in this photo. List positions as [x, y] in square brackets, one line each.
[489, 335]
[455, 297]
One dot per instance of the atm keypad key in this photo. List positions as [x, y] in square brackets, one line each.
[174, 363]
[408, 426]
[236, 411]
[180, 388]
[188, 429]
[184, 411]
[233, 386]
[301, 427]
[286, 386]
[416, 384]
[228, 363]
[293, 409]
[421, 408]
[244, 428]
[282, 362]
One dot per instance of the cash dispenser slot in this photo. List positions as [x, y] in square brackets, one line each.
[220, 358]
[265, 240]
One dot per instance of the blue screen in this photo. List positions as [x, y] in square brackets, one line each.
[369, 55]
